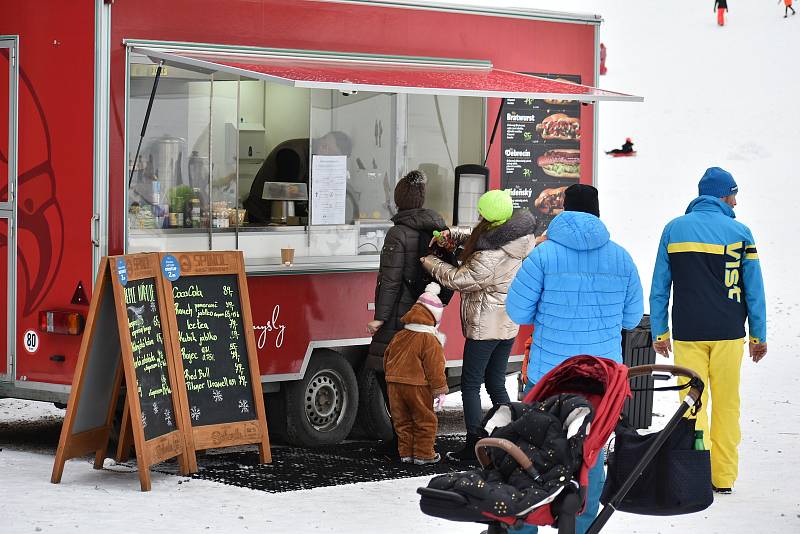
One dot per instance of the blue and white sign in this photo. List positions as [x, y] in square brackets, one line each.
[122, 271]
[171, 268]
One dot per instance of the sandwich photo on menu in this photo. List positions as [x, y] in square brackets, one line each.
[561, 163]
[550, 201]
[561, 127]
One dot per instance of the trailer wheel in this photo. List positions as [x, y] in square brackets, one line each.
[321, 407]
[374, 419]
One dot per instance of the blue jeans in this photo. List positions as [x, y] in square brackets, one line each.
[485, 361]
[597, 479]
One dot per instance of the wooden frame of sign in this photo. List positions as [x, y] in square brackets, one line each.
[215, 350]
[125, 325]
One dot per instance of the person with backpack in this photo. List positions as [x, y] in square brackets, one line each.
[493, 252]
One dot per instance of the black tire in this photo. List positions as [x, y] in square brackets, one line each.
[374, 421]
[321, 407]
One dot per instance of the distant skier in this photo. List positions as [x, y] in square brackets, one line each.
[788, 4]
[627, 148]
[721, 6]
[603, 69]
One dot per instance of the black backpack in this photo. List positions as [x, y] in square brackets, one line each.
[417, 285]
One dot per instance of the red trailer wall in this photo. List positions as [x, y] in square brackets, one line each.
[56, 58]
[334, 306]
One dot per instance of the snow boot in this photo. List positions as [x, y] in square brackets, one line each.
[466, 454]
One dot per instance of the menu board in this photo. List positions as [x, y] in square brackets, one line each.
[127, 342]
[540, 155]
[211, 337]
[149, 358]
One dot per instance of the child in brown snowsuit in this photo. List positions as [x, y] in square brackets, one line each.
[414, 364]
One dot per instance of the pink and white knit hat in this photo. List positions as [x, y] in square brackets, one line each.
[430, 300]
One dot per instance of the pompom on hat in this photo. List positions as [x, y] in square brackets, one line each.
[496, 206]
[430, 299]
[409, 193]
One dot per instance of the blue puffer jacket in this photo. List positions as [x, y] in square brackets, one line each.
[578, 289]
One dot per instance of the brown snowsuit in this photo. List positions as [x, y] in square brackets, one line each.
[414, 364]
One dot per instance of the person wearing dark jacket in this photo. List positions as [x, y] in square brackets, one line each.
[721, 6]
[288, 162]
[399, 263]
[493, 252]
[627, 148]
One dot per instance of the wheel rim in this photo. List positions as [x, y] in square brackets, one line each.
[325, 400]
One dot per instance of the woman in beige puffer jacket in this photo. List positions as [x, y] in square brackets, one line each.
[493, 253]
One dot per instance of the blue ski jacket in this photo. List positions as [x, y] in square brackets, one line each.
[711, 263]
[578, 289]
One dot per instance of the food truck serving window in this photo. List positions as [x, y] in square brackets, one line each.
[266, 154]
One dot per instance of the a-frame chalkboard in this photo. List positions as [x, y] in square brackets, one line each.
[126, 339]
[213, 338]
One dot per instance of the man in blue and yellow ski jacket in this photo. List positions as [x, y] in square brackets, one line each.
[710, 262]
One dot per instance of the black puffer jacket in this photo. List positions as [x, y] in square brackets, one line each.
[399, 261]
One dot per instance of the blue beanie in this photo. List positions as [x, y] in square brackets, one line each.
[717, 183]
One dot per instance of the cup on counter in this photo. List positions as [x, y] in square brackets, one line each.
[287, 256]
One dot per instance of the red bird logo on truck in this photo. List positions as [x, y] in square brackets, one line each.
[40, 224]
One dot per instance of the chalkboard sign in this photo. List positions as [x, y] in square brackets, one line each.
[149, 358]
[126, 342]
[215, 349]
[211, 334]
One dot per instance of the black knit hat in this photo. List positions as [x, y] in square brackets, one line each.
[582, 197]
[409, 193]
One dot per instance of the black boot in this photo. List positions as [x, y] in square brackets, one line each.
[466, 454]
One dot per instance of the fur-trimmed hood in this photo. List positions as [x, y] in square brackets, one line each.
[521, 224]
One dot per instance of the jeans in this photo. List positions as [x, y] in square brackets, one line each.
[485, 361]
[597, 479]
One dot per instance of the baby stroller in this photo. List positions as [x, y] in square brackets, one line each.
[601, 382]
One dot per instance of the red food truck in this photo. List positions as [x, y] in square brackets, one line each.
[158, 125]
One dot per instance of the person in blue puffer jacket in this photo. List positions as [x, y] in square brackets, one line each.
[579, 289]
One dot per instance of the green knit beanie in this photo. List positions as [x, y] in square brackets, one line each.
[496, 206]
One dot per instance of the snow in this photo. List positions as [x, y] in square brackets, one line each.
[713, 96]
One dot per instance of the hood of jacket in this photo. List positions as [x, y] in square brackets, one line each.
[419, 314]
[420, 219]
[578, 230]
[506, 236]
[710, 204]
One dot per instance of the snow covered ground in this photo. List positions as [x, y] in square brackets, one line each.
[714, 96]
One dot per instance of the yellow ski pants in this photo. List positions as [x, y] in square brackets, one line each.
[719, 365]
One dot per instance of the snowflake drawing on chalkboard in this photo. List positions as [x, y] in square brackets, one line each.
[217, 394]
[195, 413]
[155, 407]
[244, 406]
[144, 420]
[168, 417]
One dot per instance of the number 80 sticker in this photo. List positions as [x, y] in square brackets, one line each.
[31, 341]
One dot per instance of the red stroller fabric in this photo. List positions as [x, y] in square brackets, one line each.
[605, 385]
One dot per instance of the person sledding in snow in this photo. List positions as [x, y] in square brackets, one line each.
[721, 6]
[627, 148]
[788, 4]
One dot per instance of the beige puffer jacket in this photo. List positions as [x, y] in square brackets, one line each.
[483, 278]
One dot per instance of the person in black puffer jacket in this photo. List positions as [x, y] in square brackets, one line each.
[400, 262]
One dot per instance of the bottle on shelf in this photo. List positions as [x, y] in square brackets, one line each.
[196, 214]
